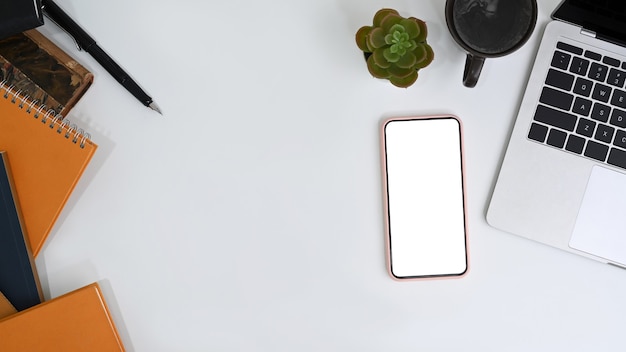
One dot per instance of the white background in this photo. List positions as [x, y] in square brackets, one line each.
[250, 216]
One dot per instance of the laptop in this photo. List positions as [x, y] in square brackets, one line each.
[563, 178]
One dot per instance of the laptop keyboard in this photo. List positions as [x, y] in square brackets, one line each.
[582, 108]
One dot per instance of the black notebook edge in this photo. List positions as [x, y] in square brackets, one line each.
[19, 16]
[19, 281]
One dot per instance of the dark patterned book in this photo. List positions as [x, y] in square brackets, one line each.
[35, 67]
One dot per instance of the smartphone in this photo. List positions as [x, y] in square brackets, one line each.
[426, 226]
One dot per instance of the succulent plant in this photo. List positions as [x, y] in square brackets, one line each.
[395, 47]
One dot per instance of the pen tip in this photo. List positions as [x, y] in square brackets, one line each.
[155, 107]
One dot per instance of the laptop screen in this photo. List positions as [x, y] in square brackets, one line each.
[607, 18]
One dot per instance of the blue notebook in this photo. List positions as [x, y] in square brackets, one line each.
[18, 276]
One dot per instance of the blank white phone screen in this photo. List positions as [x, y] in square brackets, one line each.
[426, 215]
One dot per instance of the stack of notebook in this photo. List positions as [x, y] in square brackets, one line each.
[42, 158]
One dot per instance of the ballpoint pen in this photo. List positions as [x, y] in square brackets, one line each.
[88, 44]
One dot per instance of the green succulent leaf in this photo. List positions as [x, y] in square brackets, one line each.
[376, 70]
[381, 14]
[411, 27]
[376, 38]
[395, 70]
[400, 48]
[407, 61]
[430, 56]
[390, 55]
[395, 34]
[361, 38]
[379, 58]
[404, 82]
[421, 38]
[389, 21]
[420, 53]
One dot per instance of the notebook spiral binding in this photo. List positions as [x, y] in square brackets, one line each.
[38, 110]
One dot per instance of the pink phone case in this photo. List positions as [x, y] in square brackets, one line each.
[385, 180]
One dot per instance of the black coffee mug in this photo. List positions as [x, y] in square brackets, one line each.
[489, 28]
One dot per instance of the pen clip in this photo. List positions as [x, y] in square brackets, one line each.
[63, 29]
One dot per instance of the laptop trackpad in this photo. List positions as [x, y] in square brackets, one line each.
[599, 228]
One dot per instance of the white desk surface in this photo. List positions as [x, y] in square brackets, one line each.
[250, 217]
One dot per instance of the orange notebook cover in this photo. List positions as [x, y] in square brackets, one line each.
[48, 156]
[77, 321]
[6, 308]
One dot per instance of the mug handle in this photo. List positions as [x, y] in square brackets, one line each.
[473, 67]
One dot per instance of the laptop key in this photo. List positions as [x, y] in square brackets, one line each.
[596, 150]
[616, 78]
[559, 79]
[600, 112]
[619, 98]
[598, 72]
[593, 55]
[538, 132]
[571, 48]
[555, 118]
[585, 127]
[617, 157]
[611, 61]
[583, 86]
[582, 106]
[579, 66]
[618, 118]
[575, 144]
[601, 92]
[561, 60]
[556, 98]
[620, 139]
[556, 138]
[604, 133]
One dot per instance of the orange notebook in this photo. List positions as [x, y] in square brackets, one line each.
[6, 308]
[77, 321]
[48, 156]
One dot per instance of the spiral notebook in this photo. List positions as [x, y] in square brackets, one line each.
[48, 156]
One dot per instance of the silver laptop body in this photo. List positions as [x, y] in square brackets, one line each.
[555, 186]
